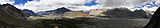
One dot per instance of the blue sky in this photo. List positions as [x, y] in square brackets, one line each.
[151, 4]
[17, 2]
[92, 3]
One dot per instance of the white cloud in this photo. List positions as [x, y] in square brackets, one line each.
[44, 5]
[6, 1]
[158, 2]
[117, 3]
[150, 9]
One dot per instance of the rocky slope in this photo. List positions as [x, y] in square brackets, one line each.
[58, 11]
[118, 13]
[140, 14]
[10, 15]
[29, 12]
[76, 14]
[126, 13]
[96, 11]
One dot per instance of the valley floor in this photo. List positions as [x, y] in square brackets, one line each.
[115, 23]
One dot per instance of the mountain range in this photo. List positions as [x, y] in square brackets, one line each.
[126, 13]
[58, 11]
[11, 16]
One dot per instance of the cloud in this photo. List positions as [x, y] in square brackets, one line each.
[150, 9]
[43, 5]
[6, 1]
[137, 4]
[151, 6]
[17, 2]
[118, 3]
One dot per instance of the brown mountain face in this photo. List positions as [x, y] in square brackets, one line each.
[75, 14]
[10, 15]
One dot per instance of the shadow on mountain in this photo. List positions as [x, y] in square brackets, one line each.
[29, 12]
[126, 13]
[155, 20]
[56, 12]
[10, 16]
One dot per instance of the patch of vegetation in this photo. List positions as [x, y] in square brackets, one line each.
[5, 25]
[45, 23]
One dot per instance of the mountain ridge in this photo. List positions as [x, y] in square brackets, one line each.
[13, 16]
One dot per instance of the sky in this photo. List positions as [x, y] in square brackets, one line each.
[44, 5]
[20, 1]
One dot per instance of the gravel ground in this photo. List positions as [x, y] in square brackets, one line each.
[115, 23]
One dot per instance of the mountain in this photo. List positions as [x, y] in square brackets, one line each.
[58, 11]
[96, 11]
[29, 12]
[141, 14]
[76, 14]
[10, 16]
[126, 13]
[118, 13]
